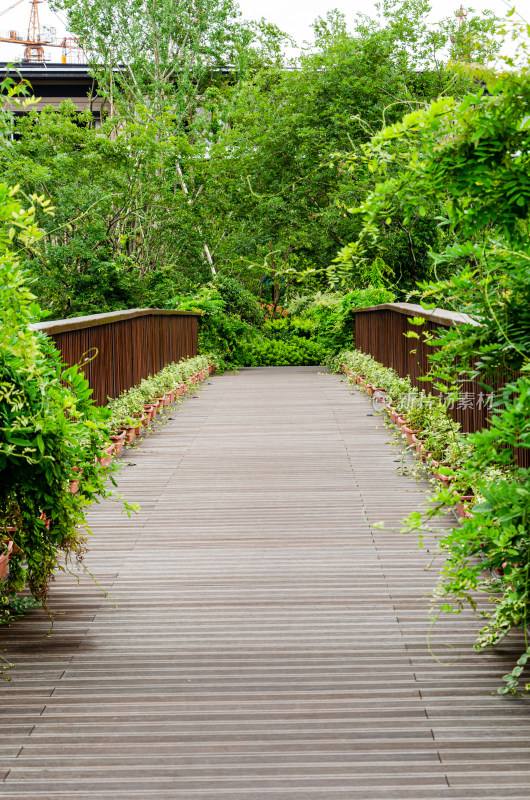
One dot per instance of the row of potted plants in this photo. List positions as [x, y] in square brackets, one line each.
[424, 422]
[477, 474]
[136, 408]
[127, 415]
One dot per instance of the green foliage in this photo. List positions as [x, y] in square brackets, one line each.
[239, 300]
[232, 324]
[125, 409]
[297, 351]
[468, 160]
[12, 608]
[489, 551]
[119, 227]
[50, 431]
[331, 315]
[220, 333]
[140, 216]
[155, 41]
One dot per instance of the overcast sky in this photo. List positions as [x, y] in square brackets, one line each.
[293, 16]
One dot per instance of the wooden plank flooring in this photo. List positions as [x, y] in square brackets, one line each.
[267, 643]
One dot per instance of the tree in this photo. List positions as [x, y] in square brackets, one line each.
[152, 54]
[289, 155]
[123, 234]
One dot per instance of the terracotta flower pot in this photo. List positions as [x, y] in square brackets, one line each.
[367, 387]
[10, 550]
[73, 485]
[118, 440]
[130, 433]
[444, 479]
[4, 561]
[394, 414]
[143, 421]
[183, 388]
[463, 506]
[46, 519]
[170, 397]
[418, 444]
[107, 458]
[149, 411]
[409, 433]
[211, 369]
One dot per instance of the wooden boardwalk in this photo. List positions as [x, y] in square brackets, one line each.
[267, 644]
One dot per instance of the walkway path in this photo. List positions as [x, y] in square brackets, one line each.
[268, 644]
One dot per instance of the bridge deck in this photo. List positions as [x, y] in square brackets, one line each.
[267, 642]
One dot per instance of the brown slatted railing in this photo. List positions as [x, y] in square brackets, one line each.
[379, 332]
[126, 345]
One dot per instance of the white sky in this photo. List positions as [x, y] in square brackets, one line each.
[296, 16]
[293, 16]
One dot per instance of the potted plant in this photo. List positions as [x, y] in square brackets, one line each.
[409, 433]
[73, 483]
[141, 420]
[106, 458]
[8, 549]
[149, 411]
[118, 440]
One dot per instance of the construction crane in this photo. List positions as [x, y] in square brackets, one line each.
[456, 39]
[40, 37]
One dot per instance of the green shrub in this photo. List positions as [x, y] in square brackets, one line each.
[331, 313]
[50, 430]
[239, 300]
[278, 353]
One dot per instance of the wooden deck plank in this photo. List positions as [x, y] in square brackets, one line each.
[267, 642]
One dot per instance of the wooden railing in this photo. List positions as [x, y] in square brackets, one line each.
[379, 332]
[118, 349]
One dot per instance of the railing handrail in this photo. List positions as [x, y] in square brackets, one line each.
[439, 315]
[93, 320]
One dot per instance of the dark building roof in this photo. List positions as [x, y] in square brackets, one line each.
[55, 82]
